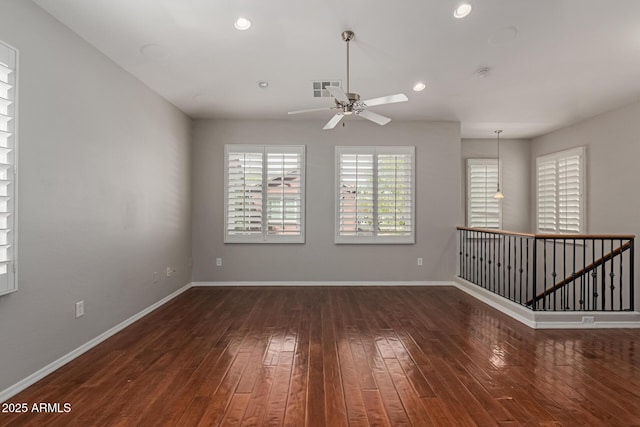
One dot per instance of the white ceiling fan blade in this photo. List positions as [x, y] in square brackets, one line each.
[333, 122]
[374, 117]
[310, 110]
[399, 97]
[338, 94]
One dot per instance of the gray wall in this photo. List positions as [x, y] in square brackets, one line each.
[613, 149]
[438, 204]
[104, 194]
[515, 155]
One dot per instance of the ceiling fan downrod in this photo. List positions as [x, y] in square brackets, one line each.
[347, 36]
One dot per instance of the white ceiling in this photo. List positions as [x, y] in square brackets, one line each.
[570, 59]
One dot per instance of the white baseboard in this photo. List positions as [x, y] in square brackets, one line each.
[38, 375]
[326, 283]
[548, 319]
[510, 308]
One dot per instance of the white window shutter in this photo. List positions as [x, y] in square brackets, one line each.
[547, 196]
[569, 194]
[375, 189]
[561, 195]
[264, 194]
[355, 189]
[244, 193]
[285, 200]
[483, 211]
[395, 194]
[8, 149]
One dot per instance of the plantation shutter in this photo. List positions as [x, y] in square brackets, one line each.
[483, 211]
[264, 197]
[547, 196]
[375, 195]
[8, 127]
[244, 192]
[355, 188]
[569, 194]
[284, 195]
[561, 198]
[395, 193]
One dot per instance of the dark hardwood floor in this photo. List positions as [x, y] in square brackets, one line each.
[342, 356]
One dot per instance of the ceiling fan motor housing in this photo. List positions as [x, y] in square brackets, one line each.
[353, 106]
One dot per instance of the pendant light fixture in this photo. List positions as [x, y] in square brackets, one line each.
[498, 194]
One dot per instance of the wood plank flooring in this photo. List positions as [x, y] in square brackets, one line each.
[342, 356]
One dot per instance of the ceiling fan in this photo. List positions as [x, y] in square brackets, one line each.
[348, 103]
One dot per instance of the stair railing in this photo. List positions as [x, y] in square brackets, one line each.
[597, 270]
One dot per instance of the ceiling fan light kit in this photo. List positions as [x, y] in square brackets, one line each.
[349, 103]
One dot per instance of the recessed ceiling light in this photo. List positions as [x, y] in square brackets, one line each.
[242, 24]
[462, 10]
[263, 84]
[419, 86]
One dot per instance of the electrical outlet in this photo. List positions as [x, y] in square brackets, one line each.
[588, 319]
[155, 277]
[218, 262]
[79, 309]
[420, 262]
[169, 271]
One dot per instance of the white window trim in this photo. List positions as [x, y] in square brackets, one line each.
[375, 150]
[264, 237]
[582, 153]
[471, 162]
[12, 267]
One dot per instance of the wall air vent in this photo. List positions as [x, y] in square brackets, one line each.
[320, 88]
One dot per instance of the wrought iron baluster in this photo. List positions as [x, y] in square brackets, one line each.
[526, 281]
[504, 270]
[475, 258]
[460, 253]
[495, 265]
[464, 256]
[520, 299]
[584, 281]
[484, 260]
[544, 297]
[498, 264]
[612, 275]
[604, 277]
[534, 274]
[620, 279]
[594, 277]
[553, 276]
[631, 271]
[573, 276]
[509, 271]
[564, 274]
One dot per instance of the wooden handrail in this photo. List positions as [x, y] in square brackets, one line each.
[552, 236]
[586, 270]
[494, 231]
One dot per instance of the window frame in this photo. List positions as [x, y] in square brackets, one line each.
[581, 152]
[482, 162]
[375, 238]
[12, 170]
[264, 236]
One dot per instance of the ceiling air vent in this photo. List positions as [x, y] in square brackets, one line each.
[320, 88]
